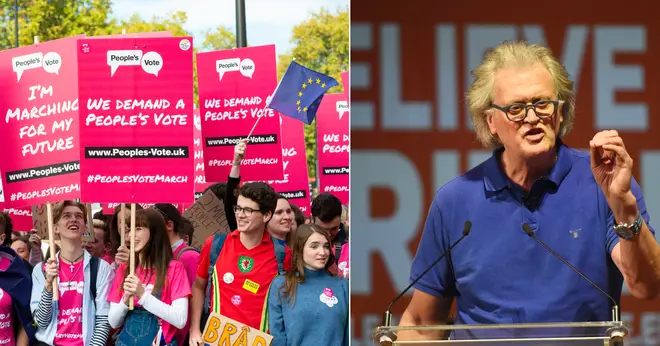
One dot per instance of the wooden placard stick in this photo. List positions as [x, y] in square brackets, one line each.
[51, 246]
[122, 225]
[131, 303]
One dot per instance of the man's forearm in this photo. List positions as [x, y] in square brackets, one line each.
[407, 320]
[640, 256]
[196, 305]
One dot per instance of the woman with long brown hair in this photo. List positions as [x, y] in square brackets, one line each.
[309, 305]
[160, 288]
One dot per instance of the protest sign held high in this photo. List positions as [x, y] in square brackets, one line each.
[332, 124]
[136, 120]
[231, 100]
[39, 131]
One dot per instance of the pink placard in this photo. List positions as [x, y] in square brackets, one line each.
[346, 82]
[234, 86]
[332, 124]
[295, 185]
[109, 208]
[21, 218]
[39, 129]
[136, 117]
[136, 34]
[200, 177]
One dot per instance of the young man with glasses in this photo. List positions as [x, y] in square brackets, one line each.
[587, 208]
[239, 266]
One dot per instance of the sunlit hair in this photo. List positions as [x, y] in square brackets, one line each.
[104, 226]
[58, 210]
[515, 54]
[157, 253]
[296, 275]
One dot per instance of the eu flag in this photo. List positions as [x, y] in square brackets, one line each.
[300, 92]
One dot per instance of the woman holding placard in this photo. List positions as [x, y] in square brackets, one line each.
[309, 292]
[159, 286]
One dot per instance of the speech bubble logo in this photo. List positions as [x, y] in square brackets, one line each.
[52, 63]
[198, 122]
[247, 68]
[23, 63]
[118, 58]
[226, 65]
[152, 63]
[342, 107]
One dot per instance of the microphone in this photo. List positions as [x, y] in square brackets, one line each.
[388, 337]
[616, 335]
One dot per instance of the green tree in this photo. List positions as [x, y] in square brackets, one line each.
[321, 44]
[51, 20]
[219, 39]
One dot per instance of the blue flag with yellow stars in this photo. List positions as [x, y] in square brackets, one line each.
[300, 92]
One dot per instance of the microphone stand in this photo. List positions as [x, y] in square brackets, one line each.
[386, 337]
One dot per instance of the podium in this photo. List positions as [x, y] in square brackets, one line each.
[523, 334]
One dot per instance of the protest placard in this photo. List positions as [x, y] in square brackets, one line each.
[346, 83]
[295, 185]
[332, 126]
[221, 330]
[234, 87]
[39, 130]
[207, 216]
[21, 218]
[136, 123]
[200, 177]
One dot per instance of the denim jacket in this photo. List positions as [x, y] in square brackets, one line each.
[104, 280]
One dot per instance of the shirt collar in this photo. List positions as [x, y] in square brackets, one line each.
[496, 180]
[177, 244]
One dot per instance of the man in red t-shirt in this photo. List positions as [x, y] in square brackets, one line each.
[245, 266]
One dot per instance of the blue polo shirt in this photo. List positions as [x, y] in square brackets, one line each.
[498, 274]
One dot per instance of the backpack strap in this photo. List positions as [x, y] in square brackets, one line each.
[185, 249]
[280, 255]
[216, 247]
[93, 271]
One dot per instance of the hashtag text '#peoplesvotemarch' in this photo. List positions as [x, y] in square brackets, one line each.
[52, 191]
[137, 179]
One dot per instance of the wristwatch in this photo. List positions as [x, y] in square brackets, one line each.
[627, 231]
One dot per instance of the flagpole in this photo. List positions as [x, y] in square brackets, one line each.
[267, 105]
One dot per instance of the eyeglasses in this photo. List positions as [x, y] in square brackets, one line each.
[517, 112]
[246, 210]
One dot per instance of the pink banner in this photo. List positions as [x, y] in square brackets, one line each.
[200, 177]
[346, 82]
[39, 131]
[21, 218]
[136, 117]
[234, 86]
[332, 124]
[109, 208]
[295, 185]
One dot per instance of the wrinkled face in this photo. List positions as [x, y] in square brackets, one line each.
[316, 251]
[21, 249]
[72, 223]
[532, 136]
[97, 247]
[248, 216]
[283, 217]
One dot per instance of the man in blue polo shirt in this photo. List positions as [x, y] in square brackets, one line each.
[587, 208]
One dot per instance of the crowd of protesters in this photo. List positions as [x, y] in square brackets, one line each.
[277, 271]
